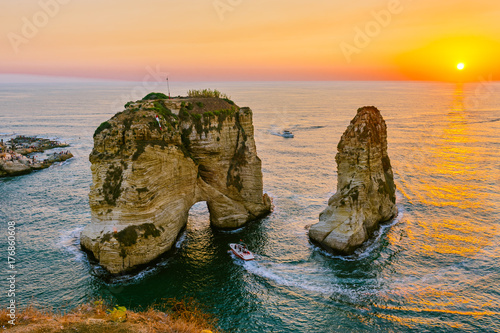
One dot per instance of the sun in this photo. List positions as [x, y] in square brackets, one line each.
[460, 66]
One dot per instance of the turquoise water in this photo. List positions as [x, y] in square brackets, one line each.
[432, 269]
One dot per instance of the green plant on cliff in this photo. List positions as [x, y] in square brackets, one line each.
[239, 160]
[112, 184]
[118, 314]
[102, 127]
[228, 100]
[196, 116]
[223, 115]
[154, 95]
[127, 236]
[198, 125]
[167, 114]
[130, 234]
[142, 144]
[183, 114]
[186, 142]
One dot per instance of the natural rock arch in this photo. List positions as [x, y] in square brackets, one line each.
[146, 177]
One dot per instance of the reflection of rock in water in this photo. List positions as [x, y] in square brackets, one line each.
[365, 190]
[146, 178]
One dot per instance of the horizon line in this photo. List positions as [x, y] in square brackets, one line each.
[37, 78]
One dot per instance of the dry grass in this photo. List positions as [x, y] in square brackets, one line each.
[207, 93]
[184, 316]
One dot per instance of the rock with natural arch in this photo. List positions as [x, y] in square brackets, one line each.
[156, 159]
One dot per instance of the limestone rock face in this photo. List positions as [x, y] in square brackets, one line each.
[365, 187]
[146, 177]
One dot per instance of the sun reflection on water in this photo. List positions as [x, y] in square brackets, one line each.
[454, 172]
[455, 175]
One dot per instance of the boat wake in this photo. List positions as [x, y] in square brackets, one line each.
[306, 128]
[320, 280]
[312, 279]
[279, 131]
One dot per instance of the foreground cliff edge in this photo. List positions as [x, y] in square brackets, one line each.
[365, 186]
[147, 173]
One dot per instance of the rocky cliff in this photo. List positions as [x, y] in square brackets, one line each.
[153, 161]
[365, 186]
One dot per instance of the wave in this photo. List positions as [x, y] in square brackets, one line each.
[118, 280]
[181, 240]
[232, 231]
[486, 121]
[124, 279]
[69, 241]
[56, 165]
[7, 134]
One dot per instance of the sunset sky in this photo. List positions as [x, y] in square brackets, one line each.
[210, 40]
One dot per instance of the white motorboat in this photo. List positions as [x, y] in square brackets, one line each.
[241, 251]
[287, 134]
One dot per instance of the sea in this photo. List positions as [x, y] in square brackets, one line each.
[434, 268]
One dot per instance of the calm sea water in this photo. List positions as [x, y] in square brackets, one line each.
[433, 269]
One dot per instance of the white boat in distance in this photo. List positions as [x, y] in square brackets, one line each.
[241, 251]
[287, 134]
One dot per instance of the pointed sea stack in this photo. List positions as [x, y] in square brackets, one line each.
[153, 161]
[365, 186]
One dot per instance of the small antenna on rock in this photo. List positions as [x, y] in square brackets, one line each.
[168, 86]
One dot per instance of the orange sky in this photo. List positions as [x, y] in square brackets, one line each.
[252, 39]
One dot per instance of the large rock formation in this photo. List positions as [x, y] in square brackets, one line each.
[147, 177]
[365, 186]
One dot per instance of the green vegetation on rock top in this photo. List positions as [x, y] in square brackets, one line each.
[154, 95]
[102, 127]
